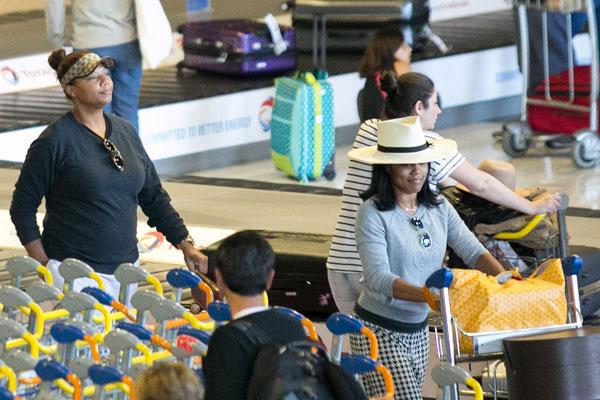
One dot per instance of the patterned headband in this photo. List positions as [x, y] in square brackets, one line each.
[85, 66]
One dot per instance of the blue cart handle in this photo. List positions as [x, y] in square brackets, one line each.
[50, 370]
[202, 336]
[442, 278]
[139, 331]
[343, 324]
[357, 363]
[219, 311]
[64, 333]
[5, 394]
[572, 265]
[292, 313]
[103, 374]
[99, 294]
[182, 278]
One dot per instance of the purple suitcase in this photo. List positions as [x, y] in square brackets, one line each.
[235, 47]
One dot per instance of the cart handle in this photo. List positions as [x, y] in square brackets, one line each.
[107, 300]
[360, 364]
[219, 311]
[572, 265]
[104, 375]
[197, 334]
[144, 334]
[442, 278]
[307, 323]
[343, 324]
[533, 222]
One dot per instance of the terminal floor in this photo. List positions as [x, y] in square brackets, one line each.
[256, 196]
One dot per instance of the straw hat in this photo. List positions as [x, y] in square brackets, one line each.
[402, 141]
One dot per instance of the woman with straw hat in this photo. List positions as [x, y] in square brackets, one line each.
[409, 94]
[402, 232]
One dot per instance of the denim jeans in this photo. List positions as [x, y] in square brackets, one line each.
[127, 77]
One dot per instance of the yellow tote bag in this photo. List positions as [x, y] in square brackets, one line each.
[481, 304]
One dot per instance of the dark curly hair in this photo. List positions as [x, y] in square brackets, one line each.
[404, 91]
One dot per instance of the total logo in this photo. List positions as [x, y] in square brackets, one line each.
[264, 114]
[9, 75]
[150, 241]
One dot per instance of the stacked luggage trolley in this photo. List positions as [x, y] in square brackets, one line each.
[572, 93]
[488, 346]
[91, 345]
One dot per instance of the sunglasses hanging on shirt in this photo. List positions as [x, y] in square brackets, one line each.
[424, 239]
[115, 154]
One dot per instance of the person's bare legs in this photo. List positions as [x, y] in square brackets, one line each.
[502, 170]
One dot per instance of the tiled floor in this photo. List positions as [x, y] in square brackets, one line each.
[553, 169]
[240, 208]
[542, 167]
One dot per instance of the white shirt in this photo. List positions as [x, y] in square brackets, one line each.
[250, 310]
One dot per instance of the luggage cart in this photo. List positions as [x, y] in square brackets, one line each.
[518, 136]
[487, 346]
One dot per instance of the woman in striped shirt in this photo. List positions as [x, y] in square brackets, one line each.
[409, 94]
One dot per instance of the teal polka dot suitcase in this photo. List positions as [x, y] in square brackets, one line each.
[302, 130]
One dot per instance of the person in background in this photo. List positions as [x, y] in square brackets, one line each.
[93, 172]
[107, 28]
[244, 270]
[168, 381]
[402, 231]
[387, 51]
[409, 94]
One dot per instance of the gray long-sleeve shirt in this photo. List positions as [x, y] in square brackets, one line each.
[390, 248]
[96, 23]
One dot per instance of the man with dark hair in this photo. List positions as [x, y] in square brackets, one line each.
[243, 271]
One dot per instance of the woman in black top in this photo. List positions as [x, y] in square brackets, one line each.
[387, 51]
[93, 172]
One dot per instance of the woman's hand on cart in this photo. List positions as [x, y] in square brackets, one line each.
[549, 203]
[431, 298]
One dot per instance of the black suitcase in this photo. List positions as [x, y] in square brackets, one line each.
[300, 273]
[351, 23]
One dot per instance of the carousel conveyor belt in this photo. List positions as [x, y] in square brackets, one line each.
[168, 85]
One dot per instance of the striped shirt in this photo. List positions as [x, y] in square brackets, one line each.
[343, 254]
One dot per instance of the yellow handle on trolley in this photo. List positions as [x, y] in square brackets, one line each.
[10, 376]
[152, 280]
[476, 387]
[523, 232]
[205, 326]
[46, 274]
[94, 276]
[89, 391]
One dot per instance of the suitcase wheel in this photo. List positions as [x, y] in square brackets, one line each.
[329, 172]
[585, 153]
[516, 139]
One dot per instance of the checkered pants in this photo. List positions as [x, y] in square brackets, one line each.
[404, 354]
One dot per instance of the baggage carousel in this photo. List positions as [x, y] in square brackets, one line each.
[169, 85]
